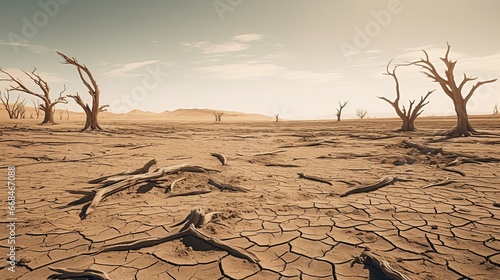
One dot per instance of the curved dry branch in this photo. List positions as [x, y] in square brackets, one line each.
[73, 273]
[220, 157]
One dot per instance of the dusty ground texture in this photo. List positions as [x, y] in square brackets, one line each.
[294, 227]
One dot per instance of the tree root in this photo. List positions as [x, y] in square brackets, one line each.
[312, 178]
[384, 181]
[191, 230]
[196, 217]
[281, 165]
[439, 183]
[226, 187]
[220, 157]
[72, 273]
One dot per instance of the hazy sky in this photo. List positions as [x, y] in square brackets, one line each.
[296, 58]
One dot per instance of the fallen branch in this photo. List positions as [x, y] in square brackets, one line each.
[312, 144]
[170, 187]
[384, 181]
[460, 160]
[141, 170]
[282, 165]
[312, 178]
[454, 171]
[226, 187]
[269, 153]
[67, 273]
[190, 193]
[439, 183]
[220, 157]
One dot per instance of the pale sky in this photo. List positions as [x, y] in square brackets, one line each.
[295, 58]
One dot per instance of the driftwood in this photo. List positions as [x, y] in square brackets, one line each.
[226, 187]
[311, 144]
[141, 170]
[382, 265]
[461, 173]
[170, 187]
[220, 157]
[190, 193]
[191, 230]
[423, 149]
[439, 183]
[312, 178]
[269, 153]
[282, 165]
[116, 183]
[196, 217]
[73, 273]
[384, 181]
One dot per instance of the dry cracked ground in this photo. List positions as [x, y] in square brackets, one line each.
[437, 219]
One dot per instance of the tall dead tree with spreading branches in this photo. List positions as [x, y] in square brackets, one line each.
[339, 110]
[453, 90]
[408, 116]
[88, 80]
[48, 105]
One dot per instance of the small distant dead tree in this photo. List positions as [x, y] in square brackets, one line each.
[361, 113]
[14, 110]
[277, 116]
[31, 115]
[452, 90]
[411, 115]
[67, 114]
[339, 110]
[20, 111]
[37, 108]
[218, 116]
[60, 114]
[495, 110]
[88, 80]
[48, 105]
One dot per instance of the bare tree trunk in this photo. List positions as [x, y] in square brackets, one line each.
[339, 110]
[452, 90]
[277, 117]
[93, 89]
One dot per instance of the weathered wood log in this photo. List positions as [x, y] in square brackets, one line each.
[226, 187]
[423, 149]
[220, 157]
[312, 178]
[311, 144]
[384, 181]
[196, 217]
[72, 273]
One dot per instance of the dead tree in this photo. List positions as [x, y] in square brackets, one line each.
[60, 114]
[218, 116]
[91, 112]
[339, 110]
[361, 113]
[37, 108]
[408, 116]
[452, 90]
[67, 114]
[20, 112]
[48, 105]
[11, 109]
[495, 110]
[277, 116]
